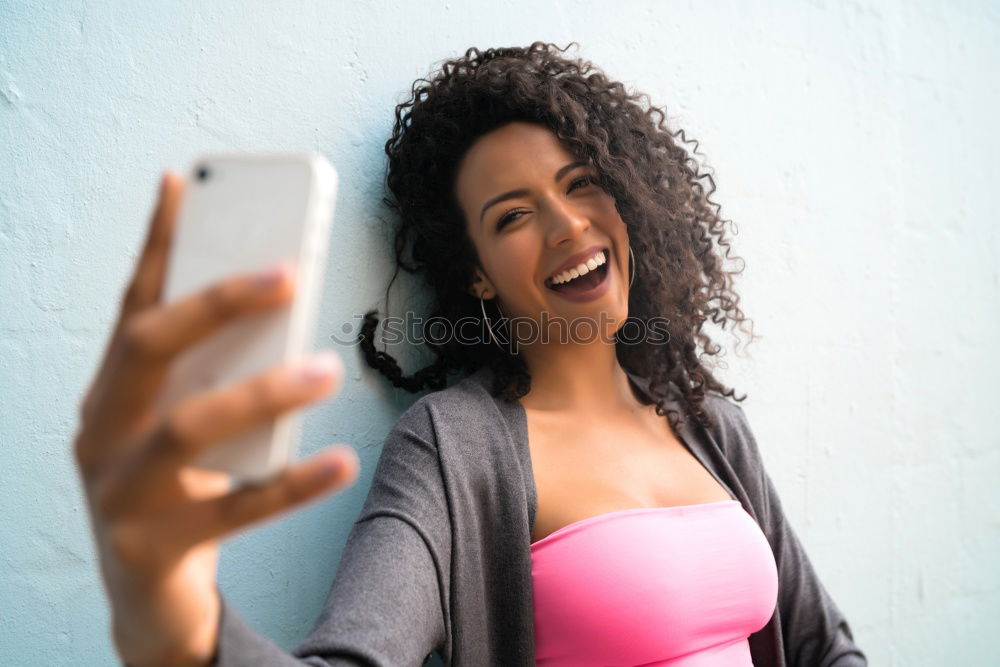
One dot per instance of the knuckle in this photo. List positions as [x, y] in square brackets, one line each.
[135, 338]
[134, 295]
[126, 542]
[256, 503]
[175, 435]
[88, 413]
[85, 409]
[235, 511]
[221, 301]
[292, 489]
[82, 456]
[106, 501]
[80, 445]
[106, 495]
[293, 494]
[264, 395]
[288, 493]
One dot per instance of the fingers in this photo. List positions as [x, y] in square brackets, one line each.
[333, 470]
[203, 420]
[211, 417]
[161, 333]
[143, 290]
[154, 337]
[147, 281]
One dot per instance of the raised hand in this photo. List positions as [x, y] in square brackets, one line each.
[157, 520]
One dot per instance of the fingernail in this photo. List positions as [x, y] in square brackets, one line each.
[271, 276]
[319, 367]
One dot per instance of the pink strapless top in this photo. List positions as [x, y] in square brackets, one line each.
[680, 586]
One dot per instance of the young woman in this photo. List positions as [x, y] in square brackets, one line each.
[583, 495]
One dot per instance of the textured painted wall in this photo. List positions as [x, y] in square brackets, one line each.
[854, 145]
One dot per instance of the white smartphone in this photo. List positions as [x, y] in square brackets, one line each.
[240, 213]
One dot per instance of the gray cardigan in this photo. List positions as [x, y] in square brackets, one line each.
[439, 558]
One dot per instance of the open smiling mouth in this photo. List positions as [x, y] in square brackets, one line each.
[584, 283]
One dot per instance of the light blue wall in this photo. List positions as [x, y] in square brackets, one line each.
[855, 145]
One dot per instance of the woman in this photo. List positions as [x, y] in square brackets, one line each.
[541, 509]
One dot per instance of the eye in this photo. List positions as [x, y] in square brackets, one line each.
[510, 216]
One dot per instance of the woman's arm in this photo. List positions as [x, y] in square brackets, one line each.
[382, 609]
[814, 631]
[387, 603]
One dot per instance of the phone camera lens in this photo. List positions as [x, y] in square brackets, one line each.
[202, 174]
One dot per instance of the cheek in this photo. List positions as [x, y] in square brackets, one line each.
[606, 211]
[610, 221]
[519, 262]
[616, 229]
[515, 265]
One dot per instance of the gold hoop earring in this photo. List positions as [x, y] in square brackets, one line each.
[482, 306]
[632, 264]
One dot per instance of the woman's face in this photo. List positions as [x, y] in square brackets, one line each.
[529, 205]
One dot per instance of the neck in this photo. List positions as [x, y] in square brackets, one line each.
[586, 379]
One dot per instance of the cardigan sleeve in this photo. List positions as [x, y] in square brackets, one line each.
[388, 601]
[814, 631]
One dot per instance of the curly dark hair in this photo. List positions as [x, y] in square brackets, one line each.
[674, 228]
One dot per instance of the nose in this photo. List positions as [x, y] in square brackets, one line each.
[565, 221]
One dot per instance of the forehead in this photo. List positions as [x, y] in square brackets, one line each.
[508, 157]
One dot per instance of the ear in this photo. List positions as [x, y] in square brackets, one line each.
[481, 287]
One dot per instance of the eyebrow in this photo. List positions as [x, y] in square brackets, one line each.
[521, 193]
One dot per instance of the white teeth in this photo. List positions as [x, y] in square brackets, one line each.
[586, 267]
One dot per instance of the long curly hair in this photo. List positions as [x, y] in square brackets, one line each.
[675, 230]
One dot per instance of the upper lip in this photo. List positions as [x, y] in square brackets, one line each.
[575, 260]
